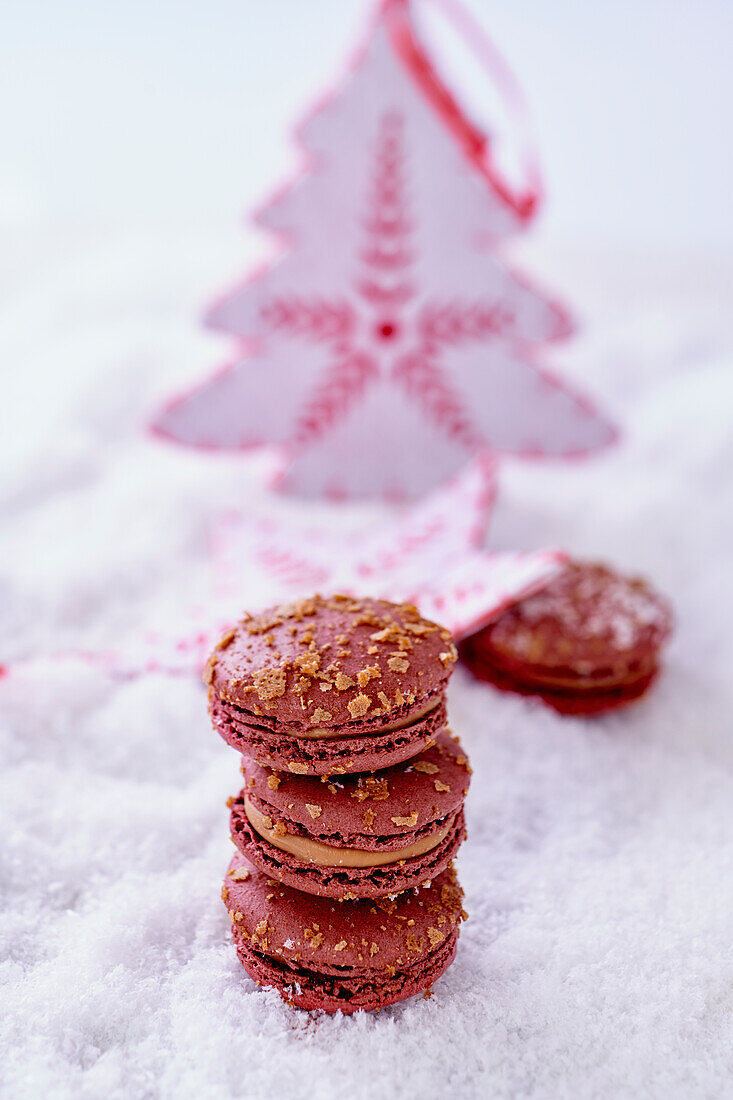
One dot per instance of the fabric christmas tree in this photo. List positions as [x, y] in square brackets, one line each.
[389, 342]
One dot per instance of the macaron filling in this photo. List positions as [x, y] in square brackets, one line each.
[580, 679]
[390, 727]
[268, 724]
[327, 855]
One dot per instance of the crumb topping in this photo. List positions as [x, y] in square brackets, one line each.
[239, 874]
[270, 683]
[368, 786]
[410, 820]
[359, 706]
[377, 654]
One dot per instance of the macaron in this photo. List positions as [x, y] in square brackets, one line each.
[351, 836]
[320, 953]
[588, 642]
[331, 685]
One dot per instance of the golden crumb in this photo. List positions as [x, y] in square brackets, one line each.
[239, 874]
[359, 706]
[411, 820]
[314, 811]
[449, 656]
[435, 937]
[343, 682]
[370, 787]
[398, 664]
[425, 767]
[298, 769]
[371, 672]
[270, 683]
[273, 782]
[441, 786]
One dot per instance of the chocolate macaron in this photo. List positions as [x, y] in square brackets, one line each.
[340, 957]
[331, 685]
[588, 642]
[364, 836]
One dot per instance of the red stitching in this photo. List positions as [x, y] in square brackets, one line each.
[345, 381]
[388, 248]
[424, 381]
[320, 319]
[453, 323]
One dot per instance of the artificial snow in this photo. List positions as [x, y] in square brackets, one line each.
[599, 863]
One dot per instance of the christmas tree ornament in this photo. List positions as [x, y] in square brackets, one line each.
[590, 641]
[388, 342]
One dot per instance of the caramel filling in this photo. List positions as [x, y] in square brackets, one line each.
[338, 732]
[325, 855]
[623, 676]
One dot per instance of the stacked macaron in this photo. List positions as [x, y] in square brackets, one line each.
[342, 894]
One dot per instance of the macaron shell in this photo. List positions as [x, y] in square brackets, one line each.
[589, 623]
[347, 995]
[322, 663]
[324, 936]
[329, 755]
[581, 703]
[354, 810]
[344, 883]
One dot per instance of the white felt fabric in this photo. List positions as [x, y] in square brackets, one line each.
[599, 865]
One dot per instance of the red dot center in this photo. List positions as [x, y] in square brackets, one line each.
[387, 330]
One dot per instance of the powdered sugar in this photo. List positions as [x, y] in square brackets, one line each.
[596, 961]
[587, 615]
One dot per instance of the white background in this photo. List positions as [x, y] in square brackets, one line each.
[180, 109]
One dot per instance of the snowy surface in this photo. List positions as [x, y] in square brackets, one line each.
[599, 864]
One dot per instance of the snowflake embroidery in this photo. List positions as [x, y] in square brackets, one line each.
[388, 344]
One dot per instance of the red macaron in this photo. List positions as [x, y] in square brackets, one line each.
[331, 685]
[320, 953]
[588, 642]
[349, 836]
